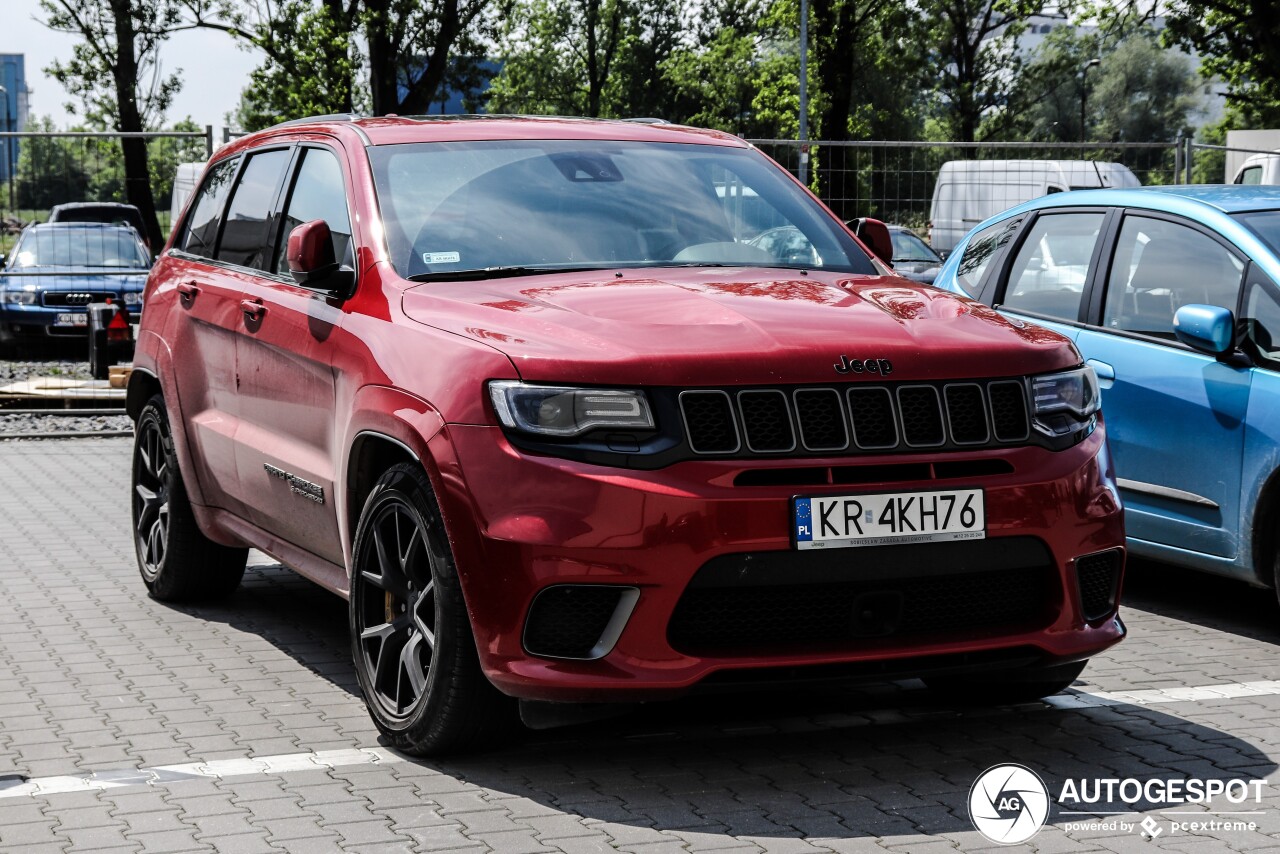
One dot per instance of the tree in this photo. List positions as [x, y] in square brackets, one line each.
[559, 57]
[1239, 41]
[410, 45]
[115, 72]
[973, 51]
[311, 61]
[50, 171]
[1138, 91]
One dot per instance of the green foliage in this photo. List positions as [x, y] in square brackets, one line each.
[1239, 41]
[1135, 91]
[310, 68]
[57, 169]
[971, 50]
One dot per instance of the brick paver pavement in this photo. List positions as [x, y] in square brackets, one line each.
[130, 725]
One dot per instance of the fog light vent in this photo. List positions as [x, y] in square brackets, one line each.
[1099, 578]
[580, 621]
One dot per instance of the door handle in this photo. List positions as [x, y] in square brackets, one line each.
[253, 309]
[1106, 373]
[188, 290]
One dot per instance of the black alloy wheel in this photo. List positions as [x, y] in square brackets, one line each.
[411, 638]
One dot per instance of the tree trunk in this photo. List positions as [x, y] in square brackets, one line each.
[137, 174]
[593, 59]
[382, 59]
[423, 92]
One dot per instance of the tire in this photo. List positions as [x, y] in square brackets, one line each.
[178, 563]
[1007, 686]
[411, 639]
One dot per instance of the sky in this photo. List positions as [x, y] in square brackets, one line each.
[213, 69]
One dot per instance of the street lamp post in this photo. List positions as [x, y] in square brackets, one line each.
[804, 92]
[1084, 93]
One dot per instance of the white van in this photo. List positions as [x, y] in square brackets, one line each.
[970, 191]
[1259, 169]
[185, 180]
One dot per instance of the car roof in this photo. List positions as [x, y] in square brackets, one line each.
[84, 226]
[81, 205]
[1178, 198]
[392, 130]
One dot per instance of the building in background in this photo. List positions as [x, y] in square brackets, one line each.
[14, 109]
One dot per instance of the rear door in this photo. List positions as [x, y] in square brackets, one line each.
[286, 446]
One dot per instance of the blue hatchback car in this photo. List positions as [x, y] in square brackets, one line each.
[56, 269]
[1170, 294]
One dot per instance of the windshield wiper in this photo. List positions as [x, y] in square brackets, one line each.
[496, 273]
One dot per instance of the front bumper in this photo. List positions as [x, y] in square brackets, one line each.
[520, 524]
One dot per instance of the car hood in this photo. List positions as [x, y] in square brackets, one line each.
[729, 326]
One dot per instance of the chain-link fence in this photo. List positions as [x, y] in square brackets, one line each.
[896, 181]
[57, 167]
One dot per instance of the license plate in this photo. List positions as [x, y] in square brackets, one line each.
[72, 318]
[889, 518]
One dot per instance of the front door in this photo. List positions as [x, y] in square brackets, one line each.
[1175, 417]
[287, 445]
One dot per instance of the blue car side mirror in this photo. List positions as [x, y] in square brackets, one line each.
[1206, 328]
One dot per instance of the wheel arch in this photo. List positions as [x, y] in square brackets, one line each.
[1265, 525]
[143, 385]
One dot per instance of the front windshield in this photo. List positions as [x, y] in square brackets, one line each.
[55, 246]
[1265, 224]
[452, 207]
[908, 247]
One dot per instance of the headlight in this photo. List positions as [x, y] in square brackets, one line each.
[23, 297]
[1065, 402]
[562, 411]
[132, 298]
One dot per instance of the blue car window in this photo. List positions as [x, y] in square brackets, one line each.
[1160, 266]
[982, 249]
[1048, 275]
[1262, 319]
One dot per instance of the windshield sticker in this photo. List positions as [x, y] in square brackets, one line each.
[441, 257]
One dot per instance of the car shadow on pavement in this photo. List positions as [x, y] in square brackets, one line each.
[833, 765]
[1212, 601]
[836, 762]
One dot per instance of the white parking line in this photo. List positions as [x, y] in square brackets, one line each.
[12, 786]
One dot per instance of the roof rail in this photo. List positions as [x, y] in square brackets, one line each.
[647, 120]
[330, 117]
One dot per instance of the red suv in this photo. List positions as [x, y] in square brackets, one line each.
[530, 394]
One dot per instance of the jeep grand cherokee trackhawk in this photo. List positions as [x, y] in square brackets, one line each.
[528, 395]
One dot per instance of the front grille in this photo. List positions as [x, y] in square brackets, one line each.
[76, 299]
[857, 419]
[569, 620]
[774, 602]
[1099, 578]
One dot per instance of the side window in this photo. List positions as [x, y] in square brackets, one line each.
[1252, 175]
[1262, 318]
[1048, 275]
[202, 225]
[318, 193]
[977, 257]
[1160, 266]
[248, 220]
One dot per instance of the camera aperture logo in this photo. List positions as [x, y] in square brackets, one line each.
[1008, 804]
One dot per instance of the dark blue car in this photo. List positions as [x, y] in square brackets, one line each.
[1171, 296]
[57, 269]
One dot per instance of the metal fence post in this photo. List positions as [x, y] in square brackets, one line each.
[1189, 160]
[1177, 162]
[208, 141]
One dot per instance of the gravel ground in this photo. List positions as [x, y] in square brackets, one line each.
[11, 425]
[16, 371]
